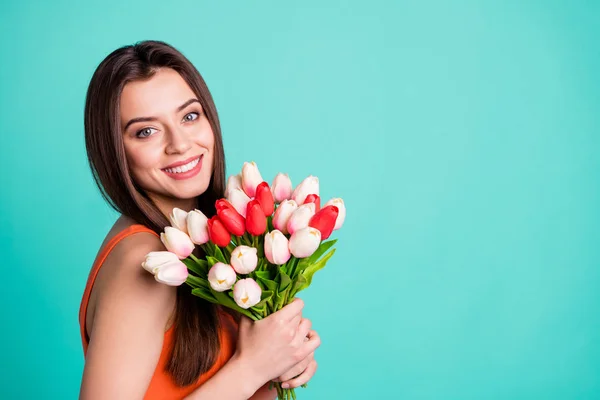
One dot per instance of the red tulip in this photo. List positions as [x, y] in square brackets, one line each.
[231, 219]
[324, 220]
[256, 222]
[217, 232]
[314, 198]
[265, 198]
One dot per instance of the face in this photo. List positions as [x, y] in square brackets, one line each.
[169, 143]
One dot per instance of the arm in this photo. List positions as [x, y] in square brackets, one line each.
[127, 334]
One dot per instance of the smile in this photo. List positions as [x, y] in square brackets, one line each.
[185, 171]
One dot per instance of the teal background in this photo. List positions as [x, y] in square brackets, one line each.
[463, 137]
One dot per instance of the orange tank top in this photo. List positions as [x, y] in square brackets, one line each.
[161, 386]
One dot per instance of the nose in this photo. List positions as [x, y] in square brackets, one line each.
[179, 142]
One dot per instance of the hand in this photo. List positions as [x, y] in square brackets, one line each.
[302, 372]
[275, 344]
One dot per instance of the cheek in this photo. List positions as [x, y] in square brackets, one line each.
[142, 159]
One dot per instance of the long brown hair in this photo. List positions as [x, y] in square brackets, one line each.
[196, 341]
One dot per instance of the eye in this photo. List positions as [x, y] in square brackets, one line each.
[144, 133]
[187, 117]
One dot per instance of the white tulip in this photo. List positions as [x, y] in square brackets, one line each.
[233, 182]
[305, 242]
[244, 259]
[281, 189]
[277, 248]
[301, 217]
[197, 226]
[174, 273]
[156, 259]
[178, 219]
[247, 293]
[221, 277]
[309, 185]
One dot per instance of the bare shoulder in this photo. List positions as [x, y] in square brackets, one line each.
[122, 270]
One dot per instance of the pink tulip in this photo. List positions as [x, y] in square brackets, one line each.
[281, 188]
[310, 185]
[300, 217]
[244, 259]
[277, 248]
[339, 203]
[174, 273]
[239, 200]
[177, 242]
[305, 242]
[197, 226]
[250, 178]
[221, 277]
[246, 293]
[282, 215]
[178, 219]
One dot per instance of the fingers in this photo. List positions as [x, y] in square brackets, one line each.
[300, 380]
[313, 342]
[293, 309]
[297, 369]
[303, 330]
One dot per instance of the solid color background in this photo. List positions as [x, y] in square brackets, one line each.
[463, 137]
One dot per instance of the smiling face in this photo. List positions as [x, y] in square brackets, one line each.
[168, 140]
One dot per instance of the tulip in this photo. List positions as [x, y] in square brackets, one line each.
[239, 200]
[217, 232]
[177, 242]
[246, 293]
[244, 259]
[173, 273]
[281, 187]
[256, 222]
[156, 259]
[300, 218]
[197, 226]
[277, 248]
[221, 277]
[231, 219]
[233, 182]
[282, 215]
[305, 242]
[265, 198]
[309, 185]
[324, 221]
[179, 219]
[251, 178]
[314, 198]
[339, 203]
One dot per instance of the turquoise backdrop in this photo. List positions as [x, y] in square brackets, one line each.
[462, 135]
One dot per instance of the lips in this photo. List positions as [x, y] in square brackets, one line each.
[180, 163]
[183, 170]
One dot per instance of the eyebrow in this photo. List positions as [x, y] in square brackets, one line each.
[146, 119]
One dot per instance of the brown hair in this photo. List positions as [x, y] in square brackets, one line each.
[196, 340]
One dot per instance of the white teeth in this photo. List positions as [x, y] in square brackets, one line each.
[183, 168]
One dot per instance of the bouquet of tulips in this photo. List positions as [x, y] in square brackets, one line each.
[262, 247]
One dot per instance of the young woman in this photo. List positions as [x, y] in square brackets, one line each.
[154, 142]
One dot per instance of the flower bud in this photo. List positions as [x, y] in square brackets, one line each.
[178, 219]
[177, 242]
[246, 293]
[244, 259]
[339, 203]
[217, 232]
[314, 198]
[251, 178]
[309, 185]
[300, 218]
[173, 273]
[324, 221]
[305, 242]
[231, 219]
[156, 259]
[221, 277]
[233, 182]
[197, 226]
[239, 200]
[265, 198]
[277, 248]
[256, 222]
[281, 188]
[282, 215]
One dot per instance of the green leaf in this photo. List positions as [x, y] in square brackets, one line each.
[310, 271]
[284, 281]
[196, 282]
[299, 284]
[323, 247]
[211, 261]
[219, 255]
[205, 294]
[199, 268]
[227, 301]
[268, 283]
[264, 298]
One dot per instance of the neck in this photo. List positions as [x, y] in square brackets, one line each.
[166, 205]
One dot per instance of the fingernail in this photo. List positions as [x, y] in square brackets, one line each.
[285, 385]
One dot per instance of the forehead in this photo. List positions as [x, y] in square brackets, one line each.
[159, 95]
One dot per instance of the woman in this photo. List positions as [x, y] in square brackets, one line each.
[154, 143]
